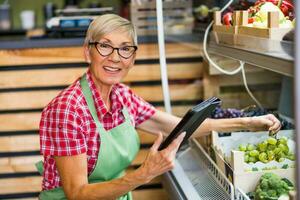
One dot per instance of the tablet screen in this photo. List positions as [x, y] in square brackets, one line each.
[192, 120]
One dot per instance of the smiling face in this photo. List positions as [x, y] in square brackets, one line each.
[111, 69]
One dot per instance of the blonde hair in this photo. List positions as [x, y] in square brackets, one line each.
[108, 23]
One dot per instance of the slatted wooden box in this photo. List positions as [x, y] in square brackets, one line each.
[243, 35]
[262, 39]
[178, 17]
[225, 34]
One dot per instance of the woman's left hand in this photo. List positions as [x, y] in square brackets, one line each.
[265, 122]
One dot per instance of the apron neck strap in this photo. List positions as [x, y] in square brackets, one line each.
[126, 114]
[89, 100]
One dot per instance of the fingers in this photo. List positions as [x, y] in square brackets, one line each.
[176, 143]
[157, 142]
[275, 127]
[266, 121]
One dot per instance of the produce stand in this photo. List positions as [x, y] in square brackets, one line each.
[262, 48]
[234, 167]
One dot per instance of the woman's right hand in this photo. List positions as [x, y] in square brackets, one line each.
[158, 162]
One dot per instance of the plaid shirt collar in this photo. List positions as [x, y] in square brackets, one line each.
[115, 99]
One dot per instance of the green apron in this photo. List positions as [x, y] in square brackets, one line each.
[118, 148]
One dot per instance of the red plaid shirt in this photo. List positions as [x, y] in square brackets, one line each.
[67, 127]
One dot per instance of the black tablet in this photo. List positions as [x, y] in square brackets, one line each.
[192, 120]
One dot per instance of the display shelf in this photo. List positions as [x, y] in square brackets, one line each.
[196, 176]
[272, 55]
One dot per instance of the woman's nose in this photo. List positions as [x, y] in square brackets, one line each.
[115, 56]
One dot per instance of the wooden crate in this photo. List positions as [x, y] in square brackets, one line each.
[37, 75]
[225, 34]
[231, 90]
[250, 37]
[236, 171]
[263, 39]
[178, 18]
[273, 31]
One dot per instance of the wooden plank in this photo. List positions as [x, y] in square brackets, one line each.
[33, 184]
[140, 158]
[225, 29]
[255, 78]
[258, 32]
[30, 120]
[140, 17]
[20, 185]
[210, 83]
[166, 5]
[27, 163]
[180, 110]
[19, 121]
[26, 99]
[273, 19]
[191, 91]
[38, 99]
[40, 78]
[58, 77]
[150, 194]
[75, 54]
[229, 65]
[217, 18]
[20, 143]
[41, 55]
[33, 198]
[146, 138]
[176, 71]
[269, 99]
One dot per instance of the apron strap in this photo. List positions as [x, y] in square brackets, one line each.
[40, 167]
[90, 101]
[126, 114]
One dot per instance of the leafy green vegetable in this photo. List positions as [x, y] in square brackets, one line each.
[271, 186]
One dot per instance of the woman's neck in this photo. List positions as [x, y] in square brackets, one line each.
[104, 91]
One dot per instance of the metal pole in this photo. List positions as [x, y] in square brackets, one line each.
[297, 92]
[162, 56]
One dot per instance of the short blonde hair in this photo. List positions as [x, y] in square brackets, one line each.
[108, 23]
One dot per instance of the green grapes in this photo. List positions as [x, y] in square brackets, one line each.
[246, 158]
[254, 153]
[242, 147]
[262, 146]
[263, 157]
[267, 150]
[252, 159]
[250, 147]
[272, 140]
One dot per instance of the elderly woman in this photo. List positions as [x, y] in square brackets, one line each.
[87, 132]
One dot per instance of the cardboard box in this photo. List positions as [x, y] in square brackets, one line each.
[240, 173]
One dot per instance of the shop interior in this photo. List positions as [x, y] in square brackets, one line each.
[244, 52]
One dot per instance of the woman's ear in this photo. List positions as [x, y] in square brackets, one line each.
[87, 55]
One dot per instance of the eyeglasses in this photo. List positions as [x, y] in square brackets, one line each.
[106, 49]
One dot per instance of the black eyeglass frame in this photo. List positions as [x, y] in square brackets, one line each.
[113, 49]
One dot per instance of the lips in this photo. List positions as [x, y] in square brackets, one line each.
[111, 69]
